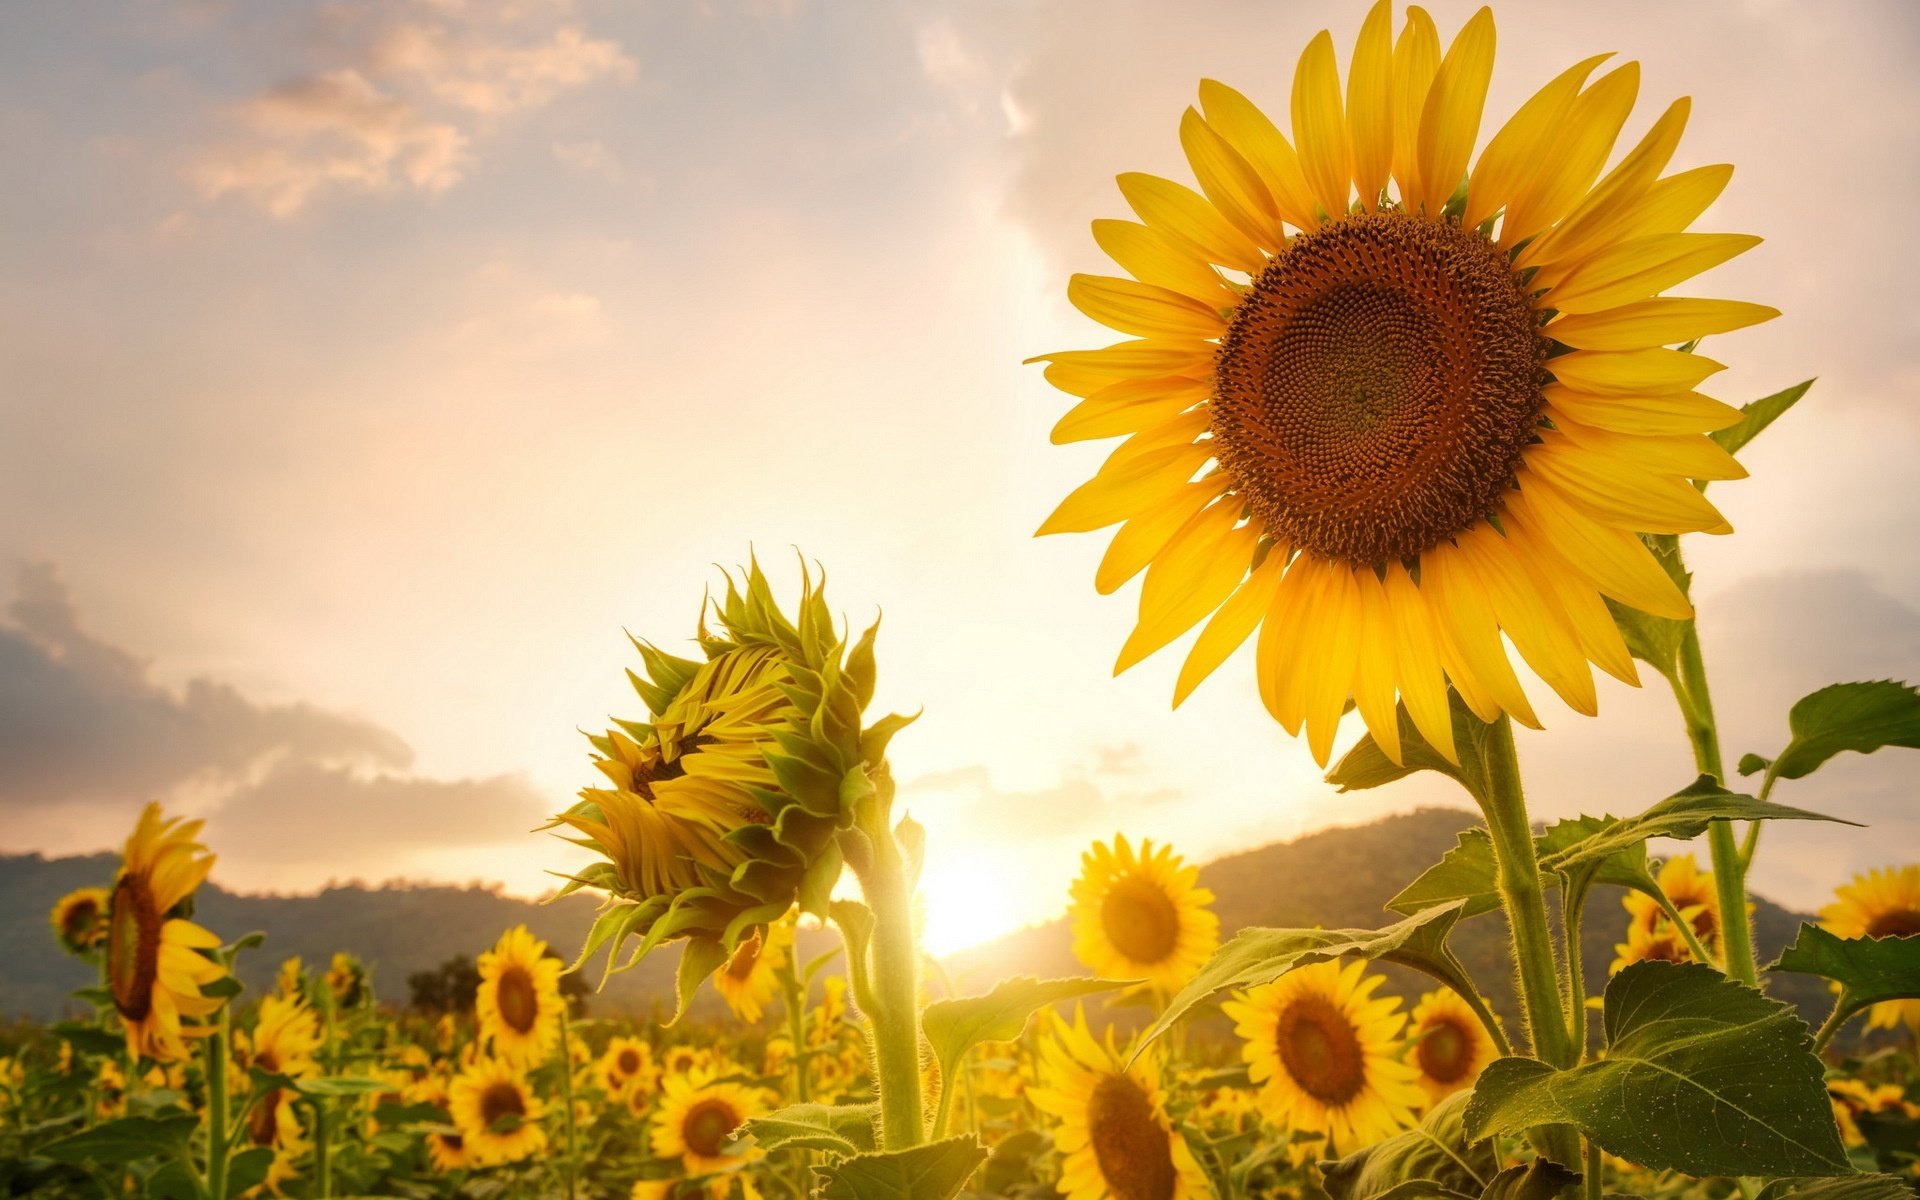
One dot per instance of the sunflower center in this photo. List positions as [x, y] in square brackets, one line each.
[629, 1061]
[1445, 1052]
[1896, 922]
[741, 965]
[1378, 386]
[707, 1125]
[519, 1005]
[1320, 1050]
[1140, 920]
[502, 1100]
[1129, 1144]
[79, 919]
[264, 1124]
[133, 947]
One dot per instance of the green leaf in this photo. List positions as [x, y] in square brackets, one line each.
[1467, 873]
[174, 1180]
[955, 1026]
[700, 958]
[934, 1171]
[248, 1169]
[842, 1129]
[1541, 1179]
[89, 1039]
[1702, 1075]
[1757, 416]
[1435, 1158]
[1868, 970]
[1861, 717]
[1840, 1187]
[1367, 765]
[1256, 956]
[1653, 640]
[1011, 1162]
[1685, 814]
[125, 1140]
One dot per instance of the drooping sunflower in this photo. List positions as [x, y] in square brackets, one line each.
[1142, 916]
[347, 979]
[155, 969]
[1113, 1131]
[286, 1036]
[496, 1113]
[1884, 902]
[748, 979]
[1691, 891]
[273, 1122]
[698, 1117]
[1387, 410]
[1450, 1046]
[518, 1006]
[80, 919]
[1326, 1053]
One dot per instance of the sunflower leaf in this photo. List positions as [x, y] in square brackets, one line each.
[842, 1129]
[1869, 970]
[1838, 1187]
[955, 1026]
[1466, 873]
[1255, 956]
[933, 1171]
[1756, 416]
[125, 1140]
[1685, 814]
[248, 1169]
[1541, 1179]
[1702, 1075]
[1861, 717]
[1435, 1158]
[699, 958]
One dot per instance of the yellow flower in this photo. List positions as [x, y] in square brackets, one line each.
[347, 980]
[1113, 1133]
[286, 1036]
[1386, 411]
[518, 1005]
[1327, 1055]
[1852, 1098]
[80, 919]
[628, 1063]
[1662, 943]
[747, 980]
[496, 1113]
[1450, 1046]
[291, 979]
[447, 1152]
[698, 1117]
[683, 1060]
[274, 1123]
[1880, 903]
[1691, 891]
[1142, 916]
[155, 968]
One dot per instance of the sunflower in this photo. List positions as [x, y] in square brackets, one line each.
[272, 1122]
[155, 968]
[1884, 902]
[286, 1036]
[1142, 916]
[1326, 1053]
[628, 1063]
[80, 919]
[1662, 943]
[1692, 892]
[518, 1004]
[1113, 1131]
[347, 980]
[1450, 1046]
[447, 1151]
[683, 1060]
[1386, 410]
[1854, 1098]
[748, 979]
[698, 1117]
[496, 1113]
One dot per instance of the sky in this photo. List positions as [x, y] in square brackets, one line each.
[369, 368]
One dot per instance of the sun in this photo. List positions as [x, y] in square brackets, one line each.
[970, 899]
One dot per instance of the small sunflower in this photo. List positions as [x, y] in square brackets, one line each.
[1327, 1053]
[291, 979]
[447, 1151]
[496, 1113]
[273, 1122]
[627, 1063]
[1662, 943]
[1450, 1046]
[347, 979]
[1114, 1133]
[80, 919]
[1691, 891]
[155, 968]
[1393, 412]
[748, 979]
[1884, 902]
[286, 1036]
[697, 1119]
[518, 1004]
[1142, 916]
[683, 1060]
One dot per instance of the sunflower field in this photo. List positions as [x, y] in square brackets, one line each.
[1400, 415]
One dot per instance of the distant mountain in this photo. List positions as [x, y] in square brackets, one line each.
[1337, 878]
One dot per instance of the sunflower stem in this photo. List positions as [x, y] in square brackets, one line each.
[217, 1105]
[1573, 906]
[1595, 1188]
[893, 977]
[1682, 926]
[566, 1095]
[1729, 872]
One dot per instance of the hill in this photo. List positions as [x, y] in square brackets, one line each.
[1335, 878]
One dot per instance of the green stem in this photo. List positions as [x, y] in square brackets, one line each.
[893, 982]
[1682, 926]
[1729, 872]
[1840, 1015]
[796, 997]
[217, 1141]
[1573, 907]
[322, 1108]
[566, 1096]
[1594, 1182]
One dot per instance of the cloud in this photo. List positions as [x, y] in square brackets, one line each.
[406, 92]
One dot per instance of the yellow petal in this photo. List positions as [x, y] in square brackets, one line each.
[1531, 616]
[1230, 183]
[1422, 685]
[1191, 577]
[1370, 105]
[1450, 123]
[1617, 562]
[1277, 652]
[1374, 681]
[1587, 226]
[1655, 372]
[1154, 258]
[1129, 406]
[1184, 215]
[1416, 59]
[1620, 492]
[1084, 372]
[1675, 202]
[1331, 655]
[1320, 126]
[1141, 308]
[1145, 534]
[1661, 321]
[1182, 429]
[1524, 145]
[1683, 412]
[1114, 495]
[1575, 156]
[1469, 638]
[1231, 625]
[1642, 267]
[1690, 455]
[1586, 613]
[1260, 143]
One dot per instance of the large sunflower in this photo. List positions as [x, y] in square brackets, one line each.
[1884, 902]
[1449, 1045]
[80, 919]
[1142, 916]
[155, 968]
[1385, 410]
[697, 1120]
[518, 1006]
[496, 1113]
[1326, 1053]
[1114, 1131]
[749, 977]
